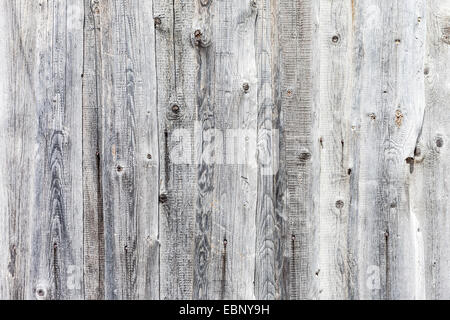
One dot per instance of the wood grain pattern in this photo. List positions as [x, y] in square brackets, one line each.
[129, 136]
[224, 149]
[335, 264]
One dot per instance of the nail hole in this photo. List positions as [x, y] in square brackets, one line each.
[335, 39]
[439, 142]
[119, 168]
[246, 87]
[293, 237]
[149, 156]
[157, 21]
[397, 41]
[349, 171]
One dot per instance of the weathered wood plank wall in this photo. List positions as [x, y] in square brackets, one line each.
[224, 149]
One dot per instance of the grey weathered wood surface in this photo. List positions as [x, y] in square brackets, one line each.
[224, 149]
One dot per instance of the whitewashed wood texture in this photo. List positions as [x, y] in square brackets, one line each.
[224, 149]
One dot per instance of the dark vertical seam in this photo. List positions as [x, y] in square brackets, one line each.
[174, 49]
[259, 173]
[158, 147]
[100, 218]
[82, 143]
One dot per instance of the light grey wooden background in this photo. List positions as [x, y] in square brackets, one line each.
[117, 115]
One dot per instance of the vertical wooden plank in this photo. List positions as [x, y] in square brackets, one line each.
[176, 69]
[57, 228]
[336, 39]
[129, 150]
[19, 123]
[270, 261]
[299, 98]
[206, 140]
[429, 183]
[42, 187]
[58, 212]
[93, 223]
[405, 271]
[389, 93]
[234, 103]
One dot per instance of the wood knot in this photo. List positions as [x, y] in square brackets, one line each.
[163, 198]
[439, 142]
[446, 34]
[199, 39]
[175, 111]
[304, 156]
[176, 108]
[398, 118]
[95, 7]
[410, 161]
[339, 204]
[41, 292]
[246, 87]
